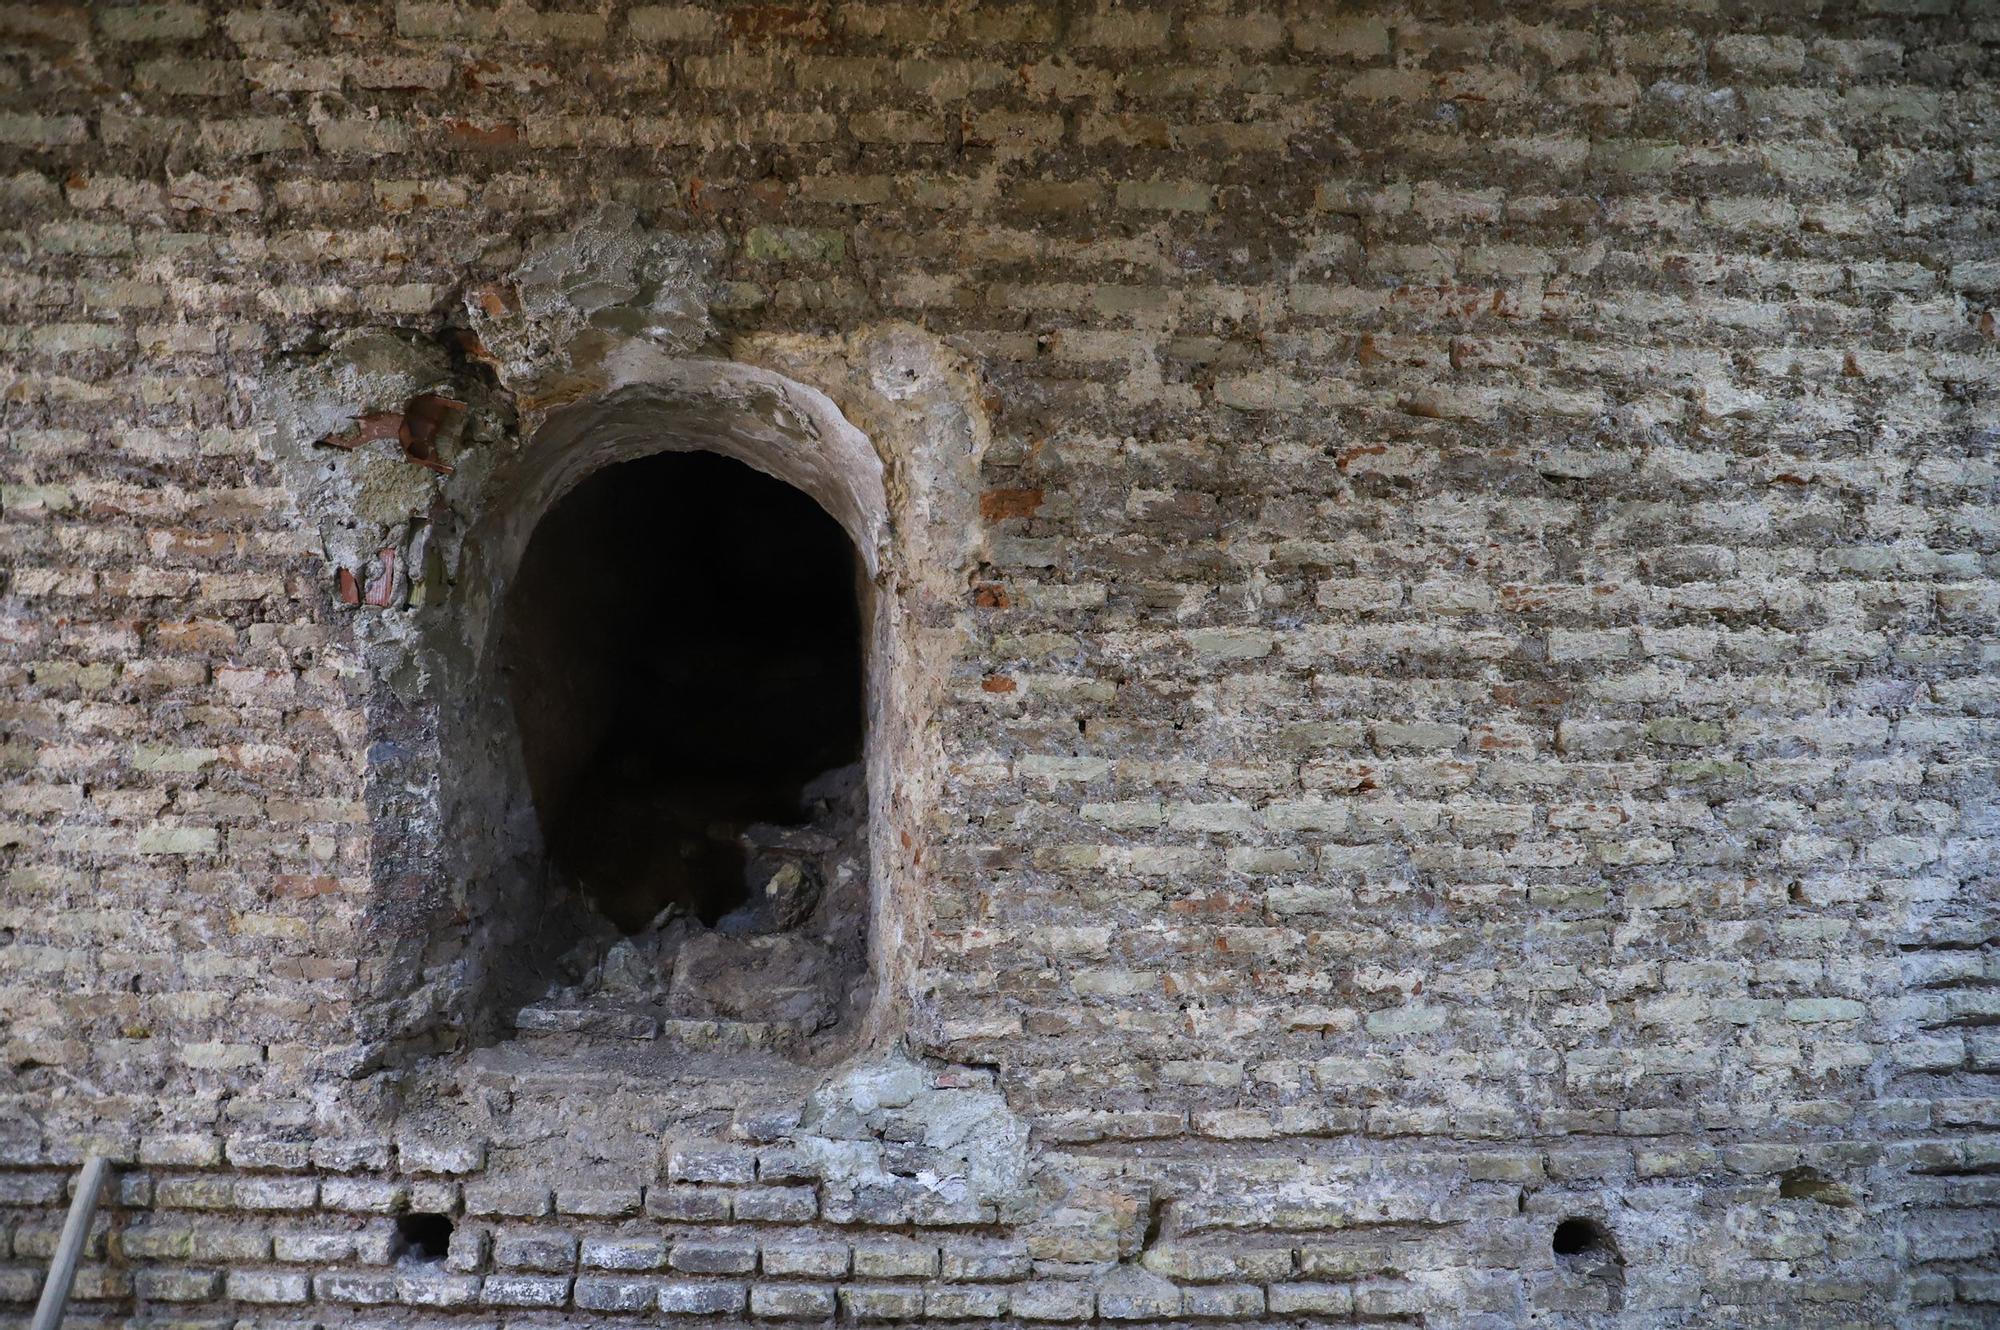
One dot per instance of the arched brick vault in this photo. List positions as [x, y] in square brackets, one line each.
[881, 429]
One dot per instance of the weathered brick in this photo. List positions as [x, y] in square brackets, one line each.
[534, 1249]
[268, 1287]
[706, 1298]
[593, 1293]
[624, 1253]
[792, 1302]
[704, 1256]
[524, 1291]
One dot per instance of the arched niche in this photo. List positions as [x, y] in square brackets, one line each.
[483, 951]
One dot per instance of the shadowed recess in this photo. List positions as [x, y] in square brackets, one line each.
[1584, 1239]
[423, 1237]
[682, 651]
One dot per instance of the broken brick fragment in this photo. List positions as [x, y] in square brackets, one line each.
[469, 134]
[473, 349]
[998, 505]
[375, 425]
[349, 588]
[495, 300]
[423, 418]
[382, 578]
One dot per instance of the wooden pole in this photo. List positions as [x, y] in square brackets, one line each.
[69, 1247]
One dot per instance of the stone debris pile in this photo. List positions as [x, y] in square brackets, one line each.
[785, 964]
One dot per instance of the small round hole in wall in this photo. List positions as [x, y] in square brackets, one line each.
[423, 1237]
[1582, 1239]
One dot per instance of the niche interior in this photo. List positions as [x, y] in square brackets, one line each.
[683, 649]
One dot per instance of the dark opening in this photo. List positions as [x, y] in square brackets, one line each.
[425, 1237]
[683, 653]
[1582, 1238]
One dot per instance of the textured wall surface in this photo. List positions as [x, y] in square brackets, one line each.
[1473, 701]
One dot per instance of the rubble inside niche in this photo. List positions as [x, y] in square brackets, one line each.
[788, 963]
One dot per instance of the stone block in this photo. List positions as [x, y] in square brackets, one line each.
[776, 1205]
[881, 1258]
[157, 1241]
[268, 1287]
[603, 1294]
[321, 1248]
[1133, 1294]
[727, 1164]
[415, 1155]
[867, 1302]
[514, 1200]
[1051, 1300]
[1223, 1301]
[1307, 1298]
[363, 1196]
[983, 1259]
[262, 1152]
[437, 1289]
[688, 1204]
[778, 1164]
[534, 1249]
[792, 1302]
[277, 1193]
[621, 1253]
[352, 1286]
[703, 1298]
[710, 1256]
[600, 1202]
[200, 1193]
[524, 1291]
[223, 1240]
[350, 1154]
[964, 1302]
[169, 1285]
[811, 1260]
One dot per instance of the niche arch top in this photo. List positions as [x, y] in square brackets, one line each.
[776, 425]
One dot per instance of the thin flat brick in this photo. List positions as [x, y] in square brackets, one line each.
[706, 1298]
[521, 1201]
[363, 1195]
[356, 1287]
[599, 1203]
[624, 1253]
[792, 1302]
[524, 1291]
[594, 1293]
[808, 1260]
[152, 23]
[277, 1193]
[710, 1257]
[176, 1285]
[267, 1287]
[437, 1290]
[534, 1250]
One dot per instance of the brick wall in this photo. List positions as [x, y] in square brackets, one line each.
[1476, 703]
